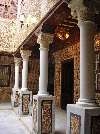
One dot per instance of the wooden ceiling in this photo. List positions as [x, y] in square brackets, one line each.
[59, 16]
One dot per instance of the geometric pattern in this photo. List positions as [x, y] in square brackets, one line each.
[46, 115]
[25, 103]
[95, 125]
[34, 115]
[75, 123]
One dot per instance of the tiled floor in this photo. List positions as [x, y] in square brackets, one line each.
[11, 123]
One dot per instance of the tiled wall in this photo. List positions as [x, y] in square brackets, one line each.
[33, 77]
[62, 55]
[5, 92]
[34, 69]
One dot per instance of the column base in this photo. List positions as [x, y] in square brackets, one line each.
[87, 102]
[15, 97]
[83, 120]
[25, 100]
[43, 114]
[43, 93]
[24, 89]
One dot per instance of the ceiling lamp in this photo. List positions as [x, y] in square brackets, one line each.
[62, 33]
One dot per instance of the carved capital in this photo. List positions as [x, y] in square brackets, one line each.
[25, 54]
[84, 10]
[17, 61]
[44, 39]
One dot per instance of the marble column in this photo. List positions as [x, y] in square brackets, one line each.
[15, 90]
[25, 95]
[85, 15]
[17, 62]
[25, 57]
[44, 40]
[82, 114]
[43, 102]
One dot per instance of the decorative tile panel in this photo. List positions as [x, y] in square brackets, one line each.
[95, 125]
[34, 115]
[25, 104]
[75, 123]
[46, 114]
[16, 102]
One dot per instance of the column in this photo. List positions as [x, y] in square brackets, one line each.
[80, 116]
[43, 102]
[15, 90]
[25, 95]
[17, 61]
[44, 40]
[85, 16]
[25, 56]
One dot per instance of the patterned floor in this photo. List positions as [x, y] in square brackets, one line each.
[10, 123]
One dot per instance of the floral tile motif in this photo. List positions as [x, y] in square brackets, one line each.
[75, 123]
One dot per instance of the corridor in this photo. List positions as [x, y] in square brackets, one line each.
[11, 123]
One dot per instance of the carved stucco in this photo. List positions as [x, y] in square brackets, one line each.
[25, 54]
[44, 39]
[17, 61]
[83, 10]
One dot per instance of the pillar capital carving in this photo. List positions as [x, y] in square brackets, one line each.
[84, 10]
[25, 54]
[44, 39]
[17, 61]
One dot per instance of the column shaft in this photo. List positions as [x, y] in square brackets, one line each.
[87, 64]
[24, 74]
[16, 76]
[43, 80]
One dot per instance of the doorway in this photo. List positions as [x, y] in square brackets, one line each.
[67, 83]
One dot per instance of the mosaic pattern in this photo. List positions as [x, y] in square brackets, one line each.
[35, 115]
[16, 102]
[75, 123]
[25, 104]
[46, 114]
[95, 125]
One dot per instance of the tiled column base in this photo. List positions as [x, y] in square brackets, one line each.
[15, 97]
[43, 114]
[83, 120]
[25, 101]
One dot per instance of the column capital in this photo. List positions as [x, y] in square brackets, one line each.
[17, 61]
[44, 39]
[84, 10]
[25, 54]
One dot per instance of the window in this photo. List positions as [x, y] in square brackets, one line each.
[5, 75]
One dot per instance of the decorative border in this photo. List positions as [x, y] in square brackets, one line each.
[44, 105]
[75, 123]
